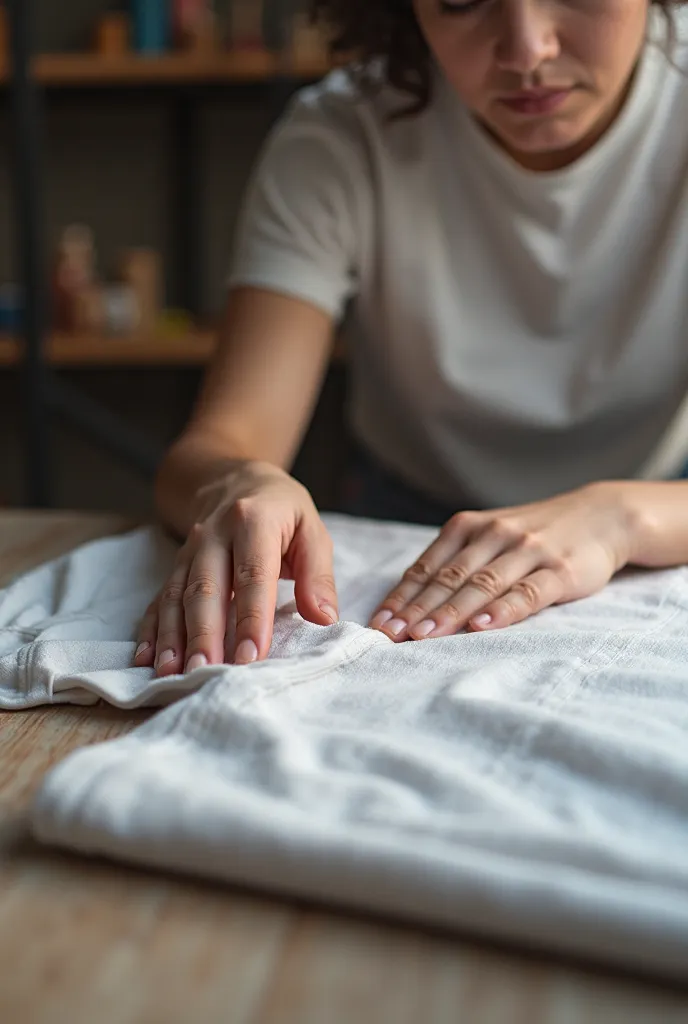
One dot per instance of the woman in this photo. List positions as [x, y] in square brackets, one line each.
[501, 209]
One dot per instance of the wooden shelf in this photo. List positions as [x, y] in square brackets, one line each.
[192, 349]
[85, 69]
[75, 350]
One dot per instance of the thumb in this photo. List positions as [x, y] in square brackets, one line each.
[312, 564]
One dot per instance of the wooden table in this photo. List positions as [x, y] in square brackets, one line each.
[87, 942]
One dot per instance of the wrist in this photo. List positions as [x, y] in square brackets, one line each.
[634, 502]
[238, 479]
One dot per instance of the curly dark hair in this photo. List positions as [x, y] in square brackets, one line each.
[370, 31]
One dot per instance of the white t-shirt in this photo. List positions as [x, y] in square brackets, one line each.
[513, 334]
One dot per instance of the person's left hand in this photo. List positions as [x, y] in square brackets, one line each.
[487, 570]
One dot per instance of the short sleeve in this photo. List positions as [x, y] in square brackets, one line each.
[306, 211]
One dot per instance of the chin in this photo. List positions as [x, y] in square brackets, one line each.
[542, 142]
[569, 134]
[542, 139]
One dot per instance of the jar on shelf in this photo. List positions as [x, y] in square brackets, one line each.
[112, 37]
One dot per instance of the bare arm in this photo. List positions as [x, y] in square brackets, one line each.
[255, 403]
[224, 489]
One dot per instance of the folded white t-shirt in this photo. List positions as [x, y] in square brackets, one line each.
[528, 784]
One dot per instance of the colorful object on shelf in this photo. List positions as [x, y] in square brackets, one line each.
[74, 274]
[113, 34]
[309, 44]
[175, 323]
[141, 271]
[121, 309]
[194, 24]
[245, 28]
[151, 25]
[11, 307]
[88, 314]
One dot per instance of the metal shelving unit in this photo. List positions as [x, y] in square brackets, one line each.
[184, 81]
[29, 228]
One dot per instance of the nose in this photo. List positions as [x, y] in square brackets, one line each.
[528, 37]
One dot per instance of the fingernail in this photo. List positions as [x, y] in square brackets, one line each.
[482, 620]
[424, 629]
[165, 658]
[381, 618]
[246, 653]
[196, 661]
[328, 610]
[396, 626]
[141, 648]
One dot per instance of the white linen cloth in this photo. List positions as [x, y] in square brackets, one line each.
[529, 784]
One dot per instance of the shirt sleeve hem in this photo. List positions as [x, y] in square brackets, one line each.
[294, 281]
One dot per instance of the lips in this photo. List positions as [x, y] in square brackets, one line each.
[536, 101]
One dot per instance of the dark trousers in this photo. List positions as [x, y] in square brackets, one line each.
[373, 492]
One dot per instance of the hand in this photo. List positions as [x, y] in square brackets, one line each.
[254, 531]
[487, 570]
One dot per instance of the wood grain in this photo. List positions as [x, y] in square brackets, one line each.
[87, 942]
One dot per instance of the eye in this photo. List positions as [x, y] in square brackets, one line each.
[465, 8]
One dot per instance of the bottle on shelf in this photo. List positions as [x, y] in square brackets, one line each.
[194, 25]
[74, 275]
[112, 37]
[308, 42]
[151, 26]
[245, 24]
[140, 270]
[11, 307]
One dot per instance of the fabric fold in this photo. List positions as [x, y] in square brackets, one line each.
[527, 784]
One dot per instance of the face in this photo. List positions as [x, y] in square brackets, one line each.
[545, 77]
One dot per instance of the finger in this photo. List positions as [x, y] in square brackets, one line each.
[257, 562]
[527, 597]
[171, 637]
[480, 568]
[230, 630]
[145, 639]
[315, 590]
[482, 588]
[453, 537]
[448, 580]
[205, 605]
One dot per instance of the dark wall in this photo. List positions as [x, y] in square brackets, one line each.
[107, 157]
[107, 163]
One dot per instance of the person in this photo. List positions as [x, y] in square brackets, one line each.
[491, 200]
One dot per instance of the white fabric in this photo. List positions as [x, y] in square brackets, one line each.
[529, 784]
[513, 334]
[67, 628]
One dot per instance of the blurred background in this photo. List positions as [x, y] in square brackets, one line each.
[128, 141]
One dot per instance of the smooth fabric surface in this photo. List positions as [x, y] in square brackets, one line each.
[529, 784]
[512, 334]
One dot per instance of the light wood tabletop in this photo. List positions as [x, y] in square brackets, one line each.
[89, 942]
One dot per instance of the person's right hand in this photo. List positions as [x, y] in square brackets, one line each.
[254, 530]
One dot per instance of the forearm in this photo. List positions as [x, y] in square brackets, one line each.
[186, 479]
[658, 518]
